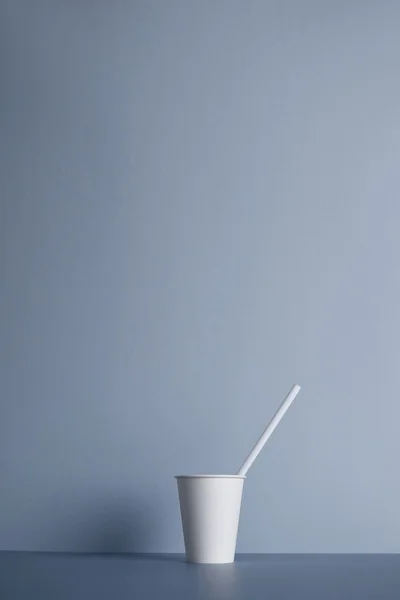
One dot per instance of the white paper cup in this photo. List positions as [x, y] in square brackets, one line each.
[210, 510]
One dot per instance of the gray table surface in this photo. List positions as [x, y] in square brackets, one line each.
[150, 576]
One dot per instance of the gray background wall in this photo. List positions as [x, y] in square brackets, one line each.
[199, 207]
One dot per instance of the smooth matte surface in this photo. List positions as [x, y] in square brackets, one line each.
[24, 576]
[199, 207]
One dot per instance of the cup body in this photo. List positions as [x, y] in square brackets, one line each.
[210, 510]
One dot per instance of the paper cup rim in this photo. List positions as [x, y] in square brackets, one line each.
[210, 476]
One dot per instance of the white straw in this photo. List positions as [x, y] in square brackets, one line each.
[269, 430]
